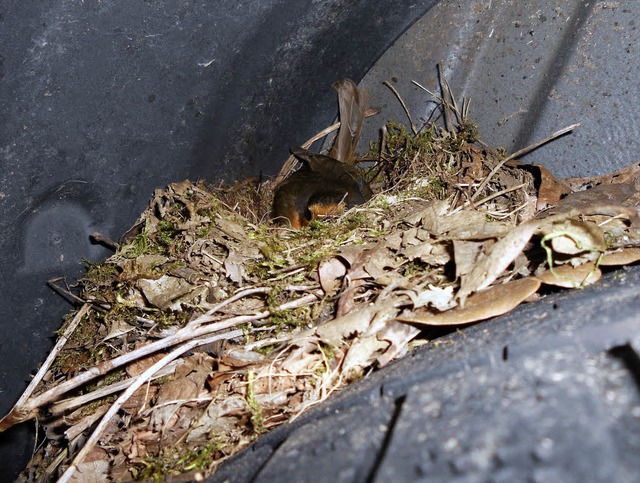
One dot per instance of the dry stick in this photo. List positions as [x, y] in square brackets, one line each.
[52, 355]
[449, 105]
[521, 153]
[28, 410]
[72, 403]
[500, 193]
[445, 103]
[404, 106]
[139, 381]
[206, 317]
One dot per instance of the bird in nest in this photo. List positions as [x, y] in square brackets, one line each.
[327, 184]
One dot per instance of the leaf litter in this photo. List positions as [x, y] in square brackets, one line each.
[210, 325]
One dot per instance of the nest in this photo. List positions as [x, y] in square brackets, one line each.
[210, 326]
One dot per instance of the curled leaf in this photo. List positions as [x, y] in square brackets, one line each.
[569, 276]
[625, 256]
[492, 302]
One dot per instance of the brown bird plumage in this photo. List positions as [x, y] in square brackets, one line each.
[324, 182]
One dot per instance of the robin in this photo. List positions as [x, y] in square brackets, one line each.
[327, 184]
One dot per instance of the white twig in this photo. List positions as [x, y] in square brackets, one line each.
[139, 381]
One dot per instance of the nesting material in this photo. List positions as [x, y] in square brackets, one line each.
[210, 325]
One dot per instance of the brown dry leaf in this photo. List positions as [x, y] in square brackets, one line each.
[142, 266]
[572, 237]
[237, 357]
[188, 381]
[331, 273]
[92, 470]
[605, 199]
[379, 261]
[626, 256]
[164, 291]
[140, 399]
[78, 428]
[141, 365]
[234, 267]
[361, 354]
[488, 303]
[630, 174]
[398, 335]
[551, 190]
[471, 225]
[491, 266]
[465, 255]
[220, 418]
[430, 216]
[336, 331]
[439, 298]
[569, 276]
[422, 251]
[118, 328]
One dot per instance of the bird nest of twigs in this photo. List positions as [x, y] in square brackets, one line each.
[210, 325]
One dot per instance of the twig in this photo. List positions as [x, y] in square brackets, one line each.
[53, 354]
[500, 193]
[60, 407]
[404, 106]
[139, 381]
[28, 409]
[206, 317]
[62, 291]
[520, 153]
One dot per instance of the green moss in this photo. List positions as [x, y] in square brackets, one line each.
[175, 460]
[100, 274]
[257, 418]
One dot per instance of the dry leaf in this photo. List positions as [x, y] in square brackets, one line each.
[629, 174]
[572, 237]
[465, 255]
[569, 276]
[336, 331]
[330, 274]
[234, 267]
[162, 292]
[490, 267]
[551, 190]
[440, 298]
[491, 302]
[625, 256]
[398, 335]
[604, 199]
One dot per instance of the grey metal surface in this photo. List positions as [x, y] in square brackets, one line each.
[529, 68]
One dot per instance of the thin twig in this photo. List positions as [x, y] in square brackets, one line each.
[65, 405]
[404, 106]
[520, 153]
[500, 193]
[28, 410]
[206, 317]
[53, 354]
[139, 381]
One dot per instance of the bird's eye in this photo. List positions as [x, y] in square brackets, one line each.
[307, 214]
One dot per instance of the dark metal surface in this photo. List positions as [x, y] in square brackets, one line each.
[529, 68]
